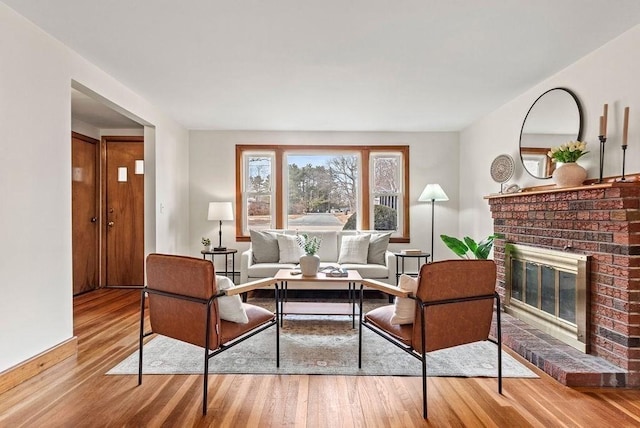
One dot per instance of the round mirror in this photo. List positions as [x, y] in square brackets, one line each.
[554, 119]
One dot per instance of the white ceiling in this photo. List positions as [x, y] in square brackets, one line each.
[377, 65]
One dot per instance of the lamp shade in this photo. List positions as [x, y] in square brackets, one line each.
[220, 211]
[433, 192]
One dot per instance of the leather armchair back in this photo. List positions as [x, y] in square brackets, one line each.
[456, 323]
[182, 319]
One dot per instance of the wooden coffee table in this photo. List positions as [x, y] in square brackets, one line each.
[285, 276]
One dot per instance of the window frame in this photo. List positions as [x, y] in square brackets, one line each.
[365, 184]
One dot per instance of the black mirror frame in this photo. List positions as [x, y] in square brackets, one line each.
[580, 126]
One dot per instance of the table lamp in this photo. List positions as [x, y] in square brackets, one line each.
[221, 211]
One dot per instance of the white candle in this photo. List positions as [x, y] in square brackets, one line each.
[601, 125]
[625, 128]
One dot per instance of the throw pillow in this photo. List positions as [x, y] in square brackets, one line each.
[378, 247]
[264, 246]
[354, 249]
[230, 307]
[290, 249]
[404, 308]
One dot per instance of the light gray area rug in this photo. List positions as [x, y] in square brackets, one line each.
[316, 344]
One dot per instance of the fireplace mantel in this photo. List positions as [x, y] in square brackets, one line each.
[553, 189]
[601, 220]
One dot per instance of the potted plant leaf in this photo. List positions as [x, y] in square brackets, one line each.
[479, 250]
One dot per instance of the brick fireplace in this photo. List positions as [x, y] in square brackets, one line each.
[601, 221]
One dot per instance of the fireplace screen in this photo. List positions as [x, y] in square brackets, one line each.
[548, 289]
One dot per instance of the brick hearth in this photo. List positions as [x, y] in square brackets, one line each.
[600, 220]
[562, 362]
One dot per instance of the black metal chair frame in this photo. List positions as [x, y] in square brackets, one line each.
[422, 356]
[207, 355]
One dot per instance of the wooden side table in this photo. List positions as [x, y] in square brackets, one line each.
[226, 253]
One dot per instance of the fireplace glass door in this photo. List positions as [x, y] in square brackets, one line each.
[544, 288]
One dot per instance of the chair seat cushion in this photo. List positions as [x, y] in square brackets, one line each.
[256, 315]
[381, 318]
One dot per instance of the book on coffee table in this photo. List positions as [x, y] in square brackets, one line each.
[334, 272]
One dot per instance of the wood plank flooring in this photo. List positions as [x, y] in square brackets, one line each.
[76, 393]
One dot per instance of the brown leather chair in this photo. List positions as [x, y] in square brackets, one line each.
[453, 305]
[183, 304]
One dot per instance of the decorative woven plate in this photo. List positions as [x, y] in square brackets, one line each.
[502, 168]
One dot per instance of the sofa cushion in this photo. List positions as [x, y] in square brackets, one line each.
[354, 249]
[266, 270]
[289, 248]
[404, 308]
[264, 246]
[378, 247]
[230, 308]
[369, 270]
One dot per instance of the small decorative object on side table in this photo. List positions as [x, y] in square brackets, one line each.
[206, 242]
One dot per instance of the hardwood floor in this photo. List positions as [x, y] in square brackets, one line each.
[77, 393]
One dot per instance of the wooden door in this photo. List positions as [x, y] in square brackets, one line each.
[124, 205]
[84, 212]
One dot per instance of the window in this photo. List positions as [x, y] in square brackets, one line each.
[322, 187]
[258, 190]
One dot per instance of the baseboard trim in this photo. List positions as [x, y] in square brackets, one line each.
[33, 366]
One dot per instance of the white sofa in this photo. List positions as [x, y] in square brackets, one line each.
[263, 260]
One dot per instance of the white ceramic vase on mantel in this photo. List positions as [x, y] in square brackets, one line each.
[309, 265]
[569, 174]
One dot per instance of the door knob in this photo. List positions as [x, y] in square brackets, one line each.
[93, 219]
[110, 224]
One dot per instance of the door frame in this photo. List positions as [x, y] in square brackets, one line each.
[103, 198]
[97, 202]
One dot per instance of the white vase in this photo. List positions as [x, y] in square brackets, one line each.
[309, 265]
[569, 174]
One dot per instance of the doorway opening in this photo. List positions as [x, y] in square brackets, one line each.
[108, 197]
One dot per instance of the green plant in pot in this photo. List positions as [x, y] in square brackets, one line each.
[467, 247]
[310, 262]
[207, 243]
[310, 245]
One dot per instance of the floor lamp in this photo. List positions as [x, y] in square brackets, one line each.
[433, 193]
[221, 211]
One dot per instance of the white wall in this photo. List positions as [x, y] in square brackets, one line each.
[35, 183]
[433, 159]
[607, 75]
